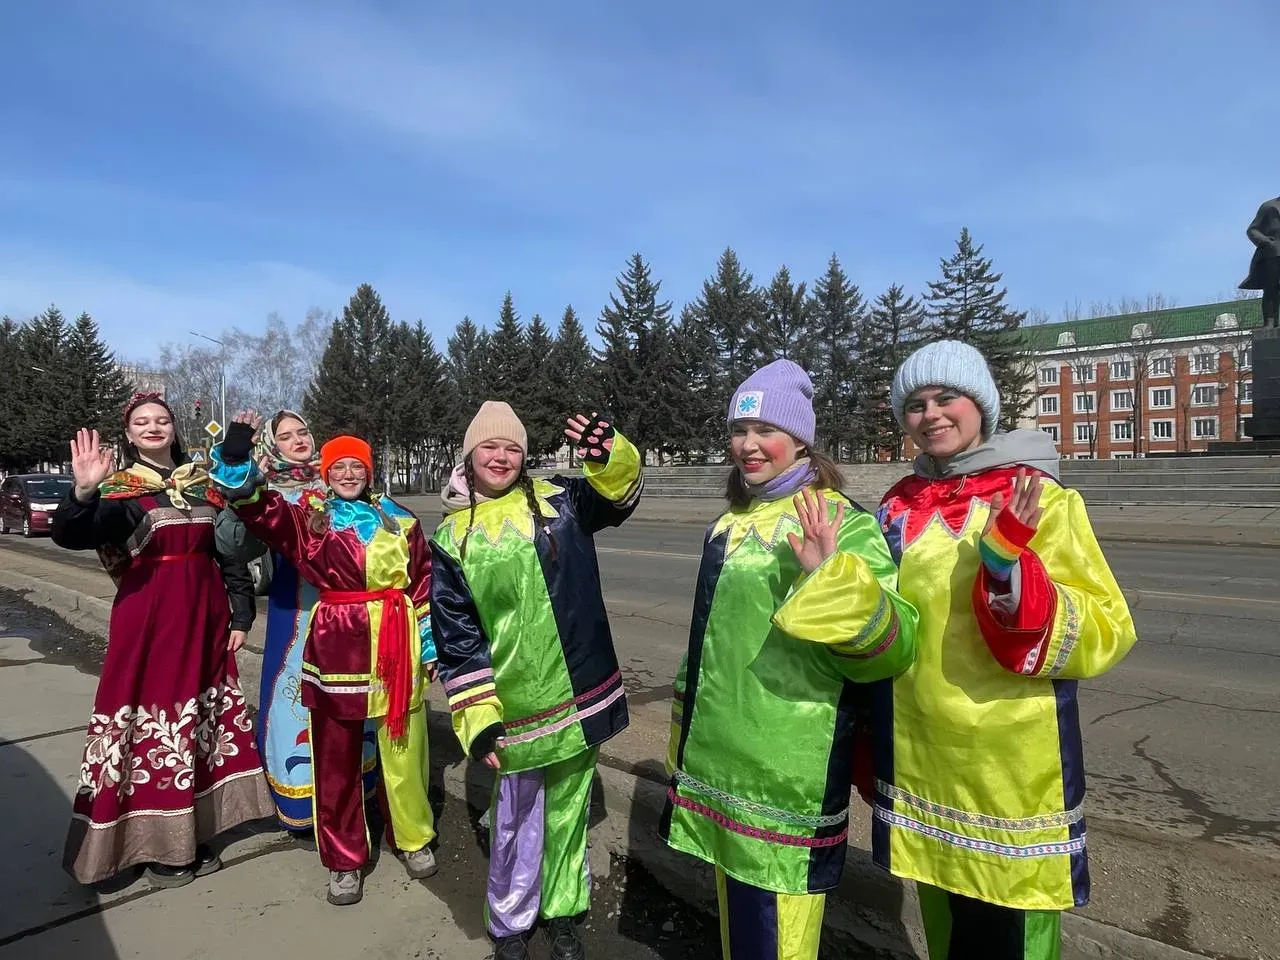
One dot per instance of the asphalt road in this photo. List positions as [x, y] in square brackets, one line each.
[1180, 738]
[1182, 735]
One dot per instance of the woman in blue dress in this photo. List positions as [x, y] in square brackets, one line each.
[289, 458]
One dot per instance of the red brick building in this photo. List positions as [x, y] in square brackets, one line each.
[1170, 381]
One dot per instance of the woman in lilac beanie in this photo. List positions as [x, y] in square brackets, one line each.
[796, 602]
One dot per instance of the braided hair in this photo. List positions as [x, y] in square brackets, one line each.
[531, 498]
[525, 483]
[469, 473]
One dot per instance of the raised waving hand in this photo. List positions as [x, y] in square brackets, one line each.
[91, 463]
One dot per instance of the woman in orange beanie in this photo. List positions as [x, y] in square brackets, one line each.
[368, 652]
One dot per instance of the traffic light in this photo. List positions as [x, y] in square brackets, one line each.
[197, 409]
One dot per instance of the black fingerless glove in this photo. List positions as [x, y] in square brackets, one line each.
[486, 741]
[593, 441]
[238, 445]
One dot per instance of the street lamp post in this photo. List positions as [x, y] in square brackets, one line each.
[222, 378]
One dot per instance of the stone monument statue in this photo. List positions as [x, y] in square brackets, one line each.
[1264, 269]
[1264, 275]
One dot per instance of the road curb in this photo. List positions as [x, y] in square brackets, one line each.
[90, 614]
[869, 909]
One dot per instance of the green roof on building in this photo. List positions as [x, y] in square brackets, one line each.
[1171, 324]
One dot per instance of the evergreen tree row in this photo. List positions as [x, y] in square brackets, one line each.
[665, 379]
[55, 377]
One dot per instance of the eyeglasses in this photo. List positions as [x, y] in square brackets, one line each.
[349, 470]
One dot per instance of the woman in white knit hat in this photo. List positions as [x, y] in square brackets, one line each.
[979, 771]
[527, 658]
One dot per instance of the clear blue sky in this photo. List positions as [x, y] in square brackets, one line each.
[172, 163]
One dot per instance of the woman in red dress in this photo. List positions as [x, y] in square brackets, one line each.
[170, 760]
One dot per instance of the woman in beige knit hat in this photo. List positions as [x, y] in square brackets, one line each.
[527, 658]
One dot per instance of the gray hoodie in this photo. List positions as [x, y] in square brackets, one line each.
[1031, 448]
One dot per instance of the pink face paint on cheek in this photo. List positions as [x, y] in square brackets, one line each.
[774, 448]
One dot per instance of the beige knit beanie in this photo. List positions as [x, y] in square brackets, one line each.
[495, 421]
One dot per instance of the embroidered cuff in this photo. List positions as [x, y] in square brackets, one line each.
[1002, 545]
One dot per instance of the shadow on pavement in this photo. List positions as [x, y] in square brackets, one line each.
[31, 802]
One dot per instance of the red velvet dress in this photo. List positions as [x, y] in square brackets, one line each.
[170, 760]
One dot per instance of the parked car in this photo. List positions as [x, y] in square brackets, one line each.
[27, 501]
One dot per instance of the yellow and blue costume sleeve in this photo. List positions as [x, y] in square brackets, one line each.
[607, 493]
[850, 604]
[463, 651]
[1071, 621]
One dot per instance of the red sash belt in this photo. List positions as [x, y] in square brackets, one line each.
[393, 667]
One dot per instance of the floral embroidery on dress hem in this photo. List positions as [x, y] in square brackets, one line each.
[137, 745]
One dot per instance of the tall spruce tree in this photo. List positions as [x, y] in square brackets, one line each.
[353, 387]
[100, 389]
[15, 431]
[467, 350]
[968, 304]
[540, 406]
[572, 369]
[836, 314]
[51, 420]
[657, 420]
[730, 307]
[508, 369]
[896, 327]
[782, 328]
[700, 428]
[624, 330]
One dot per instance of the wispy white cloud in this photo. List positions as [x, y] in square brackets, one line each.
[425, 78]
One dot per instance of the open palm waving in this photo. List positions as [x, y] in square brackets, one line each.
[90, 462]
[820, 529]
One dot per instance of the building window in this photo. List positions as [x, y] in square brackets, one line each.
[1066, 339]
[1084, 373]
[1161, 429]
[1162, 398]
[1121, 399]
[1122, 456]
[1246, 391]
[1140, 331]
[1052, 431]
[1225, 321]
[1161, 366]
[1121, 370]
[1048, 375]
[1204, 395]
[1246, 358]
[1084, 403]
[1204, 363]
[1085, 432]
[1048, 404]
[1205, 428]
[1122, 430]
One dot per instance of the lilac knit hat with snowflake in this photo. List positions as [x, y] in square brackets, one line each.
[779, 394]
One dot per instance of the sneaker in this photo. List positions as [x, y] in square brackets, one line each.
[345, 887]
[565, 944]
[420, 864]
[511, 948]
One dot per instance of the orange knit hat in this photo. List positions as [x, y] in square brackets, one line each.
[339, 448]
